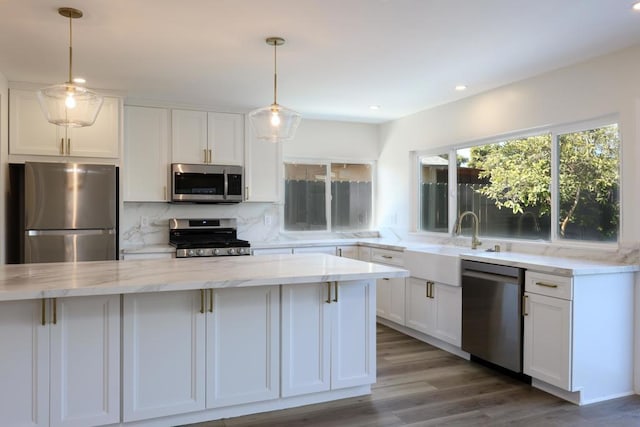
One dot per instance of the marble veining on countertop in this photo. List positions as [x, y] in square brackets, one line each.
[55, 280]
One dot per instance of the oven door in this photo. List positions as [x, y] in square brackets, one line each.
[197, 183]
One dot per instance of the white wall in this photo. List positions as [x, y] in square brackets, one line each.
[4, 152]
[603, 86]
[324, 139]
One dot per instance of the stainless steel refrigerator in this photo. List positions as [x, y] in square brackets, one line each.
[65, 212]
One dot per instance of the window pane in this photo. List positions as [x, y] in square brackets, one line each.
[507, 184]
[304, 197]
[434, 188]
[589, 184]
[351, 190]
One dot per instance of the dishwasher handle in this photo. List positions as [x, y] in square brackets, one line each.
[490, 276]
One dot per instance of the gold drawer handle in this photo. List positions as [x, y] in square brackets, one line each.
[387, 256]
[546, 285]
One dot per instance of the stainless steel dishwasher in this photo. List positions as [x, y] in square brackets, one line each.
[492, 313]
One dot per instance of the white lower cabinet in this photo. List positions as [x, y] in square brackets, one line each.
[190, 350]
[243, 352]
[65, 372]
[547, 347]
[390, 294]
[328, 336]
[434, 309]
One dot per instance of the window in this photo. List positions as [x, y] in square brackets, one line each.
[520, 186]
[308, 187]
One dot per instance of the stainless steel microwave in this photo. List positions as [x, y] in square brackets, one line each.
[206, 183]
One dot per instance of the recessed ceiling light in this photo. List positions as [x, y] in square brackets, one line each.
[375, 107]
[460, 88]
[79, 80]
[636, 6]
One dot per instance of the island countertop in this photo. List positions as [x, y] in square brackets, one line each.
[55, 280]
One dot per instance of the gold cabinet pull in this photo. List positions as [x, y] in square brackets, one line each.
[68, 145]
[426, 289]
[164, 190]
[55, 311]
[524, 305]
[210, 300]
[61, 145]
[204, 151]
[547, 285]
[339, 252]
[246, 192]
[431, 285]
[385, 278]
[328, 301]
[202, 300]
[335, 286]
[210, 155]
[387, 256]
[43, 320]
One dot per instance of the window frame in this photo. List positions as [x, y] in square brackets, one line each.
[327, 188]
[554, 131]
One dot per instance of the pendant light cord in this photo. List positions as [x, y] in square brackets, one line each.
[70, 48]
[275, 74]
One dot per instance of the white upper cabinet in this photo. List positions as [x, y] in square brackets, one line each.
[146, 154]
[204, 137]
[30, 133]
[263, 171]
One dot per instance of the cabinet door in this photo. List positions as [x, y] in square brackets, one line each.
[163, 354]
[146, 161]
[85, 361]
[306, 338]
[396, 309]
[263, 169]
[243, 351]
[383, 297]
[418, 305]
[29, 130]
[24, 371]
[353, 337]
[189, 136]
[102, 139]
[348, 252]
[447, 316]
[547, 339]
[226, 138]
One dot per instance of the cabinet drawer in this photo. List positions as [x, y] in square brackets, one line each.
[385, 256]
[549, 284]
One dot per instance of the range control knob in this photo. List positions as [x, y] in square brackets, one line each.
[200, 252]
[232, 251]
[191, 252]
[216, 251]
[241, 251]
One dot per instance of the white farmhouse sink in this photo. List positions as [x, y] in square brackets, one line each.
[438, 263]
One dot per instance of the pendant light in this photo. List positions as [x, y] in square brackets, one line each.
[69, 104]
[274, 122]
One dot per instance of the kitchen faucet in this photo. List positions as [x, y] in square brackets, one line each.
[458, 229]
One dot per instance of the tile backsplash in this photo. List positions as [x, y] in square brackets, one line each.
[145, 224]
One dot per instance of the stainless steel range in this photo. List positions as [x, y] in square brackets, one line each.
[206, 237]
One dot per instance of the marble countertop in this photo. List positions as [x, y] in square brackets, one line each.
[55, 280]
[543, 263]
[550, 264]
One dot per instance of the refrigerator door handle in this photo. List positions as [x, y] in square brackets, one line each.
[70, 232]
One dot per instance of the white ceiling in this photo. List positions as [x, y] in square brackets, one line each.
[341, 56]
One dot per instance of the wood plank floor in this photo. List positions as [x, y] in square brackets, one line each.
[420, 385]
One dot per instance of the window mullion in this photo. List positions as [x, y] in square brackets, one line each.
[555, 186]
[453, 190]
[328, 195]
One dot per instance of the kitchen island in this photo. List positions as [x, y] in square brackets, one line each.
[167, 342]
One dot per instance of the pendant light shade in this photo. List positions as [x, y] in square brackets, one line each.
[69, 104]
[274, 123]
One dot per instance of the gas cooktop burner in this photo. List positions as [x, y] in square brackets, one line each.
[206, 237]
